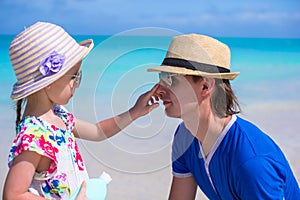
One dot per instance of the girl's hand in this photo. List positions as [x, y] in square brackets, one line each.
[145, 103]
[82, 192]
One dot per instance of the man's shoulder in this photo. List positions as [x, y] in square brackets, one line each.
[183, 138]
[182, 131]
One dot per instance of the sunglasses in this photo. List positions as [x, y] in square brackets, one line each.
[166, 78]
[77, 77]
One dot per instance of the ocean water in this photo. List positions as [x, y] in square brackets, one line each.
[114, 73]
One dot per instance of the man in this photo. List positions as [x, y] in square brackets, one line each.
[226, 156]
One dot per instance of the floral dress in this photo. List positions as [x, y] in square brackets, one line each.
[67, 170]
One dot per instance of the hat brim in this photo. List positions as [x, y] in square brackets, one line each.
[89, 44]
[185, 71]
[21, 91]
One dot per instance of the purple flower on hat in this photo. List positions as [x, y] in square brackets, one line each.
[52, 64]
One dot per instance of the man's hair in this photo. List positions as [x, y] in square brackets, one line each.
[223, 100]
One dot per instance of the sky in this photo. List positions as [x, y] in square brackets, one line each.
[223, 18]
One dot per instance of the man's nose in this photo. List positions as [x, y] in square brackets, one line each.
[161, 90]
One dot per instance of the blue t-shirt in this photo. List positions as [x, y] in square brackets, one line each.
[244, 163]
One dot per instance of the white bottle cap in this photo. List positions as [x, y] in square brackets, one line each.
[106, 177]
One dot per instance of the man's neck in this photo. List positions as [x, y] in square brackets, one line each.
[206, 128]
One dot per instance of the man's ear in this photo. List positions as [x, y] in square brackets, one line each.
[207, 86]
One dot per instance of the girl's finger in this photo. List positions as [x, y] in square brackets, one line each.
[153, 90]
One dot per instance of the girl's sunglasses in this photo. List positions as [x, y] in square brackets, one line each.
[77, 77]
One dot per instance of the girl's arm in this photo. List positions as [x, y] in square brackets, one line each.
[109, 127]
[20, 175]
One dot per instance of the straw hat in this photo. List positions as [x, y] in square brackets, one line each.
[41, 54]
[197, 55]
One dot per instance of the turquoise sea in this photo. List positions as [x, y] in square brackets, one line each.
[270, 68]
[114, 74]
[116, 69]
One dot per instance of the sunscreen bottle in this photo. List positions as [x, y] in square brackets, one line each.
[96, 188]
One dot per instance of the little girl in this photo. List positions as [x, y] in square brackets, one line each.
[44, 160]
